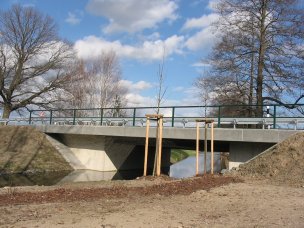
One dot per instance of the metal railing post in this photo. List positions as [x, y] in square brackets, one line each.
[172, 120]
[51, 117]
[134, 116]
[219, 117]
[74, 116]
[101, 116]
[30, 118]
[274, 116]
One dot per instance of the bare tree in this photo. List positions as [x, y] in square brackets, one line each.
[32, 59]
[215, 90]
[161, 90]
[96, 83]
[78, 85]
[106, 71]
[260, 46]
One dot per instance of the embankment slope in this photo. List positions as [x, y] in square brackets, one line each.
[25, 149]
[284, 162]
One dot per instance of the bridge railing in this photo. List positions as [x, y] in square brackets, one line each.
[233, 116]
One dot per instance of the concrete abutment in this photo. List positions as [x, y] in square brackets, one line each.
[106, 153]
[240, 152]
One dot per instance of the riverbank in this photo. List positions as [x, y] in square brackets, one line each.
[180, 154]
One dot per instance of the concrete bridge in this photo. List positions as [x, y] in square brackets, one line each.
[108, 148]
[109, 139]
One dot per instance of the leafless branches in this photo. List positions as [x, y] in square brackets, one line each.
[260, 48]
[96, 83]
[32, 59]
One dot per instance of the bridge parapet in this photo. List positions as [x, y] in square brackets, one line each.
[225, 116]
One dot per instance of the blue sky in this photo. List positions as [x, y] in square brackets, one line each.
[138, 31]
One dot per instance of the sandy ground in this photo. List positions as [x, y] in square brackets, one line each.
[247, 204]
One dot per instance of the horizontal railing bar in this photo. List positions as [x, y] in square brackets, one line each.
[164, 107]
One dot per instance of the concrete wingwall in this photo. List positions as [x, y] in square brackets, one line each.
[105, 153]
[240, 152]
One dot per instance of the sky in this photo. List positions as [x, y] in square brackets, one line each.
[141, 32]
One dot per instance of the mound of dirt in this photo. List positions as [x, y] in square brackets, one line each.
[140, 188]
[25, 149]
[284, 162]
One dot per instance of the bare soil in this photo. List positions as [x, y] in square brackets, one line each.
[266, 192]
[281, 164]
[210, 201]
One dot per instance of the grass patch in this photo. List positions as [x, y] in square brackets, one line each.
[180, 154]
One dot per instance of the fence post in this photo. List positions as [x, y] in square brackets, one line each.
[274, 116]
[173, 112]
[74, 116]
[101, 116]
[134, 116]
[219, 117]
[51, 117]
[30, 119]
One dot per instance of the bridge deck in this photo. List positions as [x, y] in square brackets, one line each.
[220, 134]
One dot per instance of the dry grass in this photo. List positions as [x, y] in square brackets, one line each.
[27, 149]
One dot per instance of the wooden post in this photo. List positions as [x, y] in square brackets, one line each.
[205, 144]
[159, 131]
[160, 135]
[205, 149]
[197, 147]
[146, 146]
[212, 147]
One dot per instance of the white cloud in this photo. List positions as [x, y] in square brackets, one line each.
[206, 36]
[138, 86]
[213, 4]
[201, 64]
[152, 37]
[132, 15]
[92, 46]
[202, 22]
[74, 18]
[137, 100]
[202, 40]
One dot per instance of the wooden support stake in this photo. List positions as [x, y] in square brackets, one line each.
[146, 146]
[205, 144]
[157, 164]
[212, 147]
[205, 150]
[160, 135]
[197, 147]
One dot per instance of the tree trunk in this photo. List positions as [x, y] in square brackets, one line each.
[251, 87]
[250, 102]
[262, 49]
[7, 109]
[156, 150]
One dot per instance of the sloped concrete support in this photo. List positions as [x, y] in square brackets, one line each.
[66, 153]
[95, 152]
[105, 153]
[89, 150]
[240, 152]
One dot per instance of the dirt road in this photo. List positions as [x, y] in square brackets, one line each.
[247, 204]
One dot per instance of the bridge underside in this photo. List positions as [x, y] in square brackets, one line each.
[115, 153]
[105, 153]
